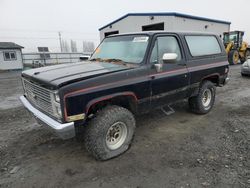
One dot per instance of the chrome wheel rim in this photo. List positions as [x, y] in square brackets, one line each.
[207, 97]
[116, 135]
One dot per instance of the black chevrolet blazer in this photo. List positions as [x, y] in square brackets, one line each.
[127, 74]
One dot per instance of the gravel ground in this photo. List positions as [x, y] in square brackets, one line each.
[180, 150]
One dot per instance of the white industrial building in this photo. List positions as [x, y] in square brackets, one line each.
[10, 56]
[136, 22]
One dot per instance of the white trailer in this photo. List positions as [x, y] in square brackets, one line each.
[10, 56]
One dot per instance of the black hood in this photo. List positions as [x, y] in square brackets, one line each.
[60, 74]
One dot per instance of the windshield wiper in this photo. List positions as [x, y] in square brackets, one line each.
[96, 59]
[108, 60]
[116, 61]
[113, 60]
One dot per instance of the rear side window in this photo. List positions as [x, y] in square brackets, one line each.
[203, 45]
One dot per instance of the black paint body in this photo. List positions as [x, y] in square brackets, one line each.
[82, 85]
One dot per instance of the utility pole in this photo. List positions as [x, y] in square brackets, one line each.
[60, 39]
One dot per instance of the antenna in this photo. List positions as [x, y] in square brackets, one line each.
[60, 39]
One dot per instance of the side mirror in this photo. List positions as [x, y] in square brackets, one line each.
[169, 57]
[158, 67]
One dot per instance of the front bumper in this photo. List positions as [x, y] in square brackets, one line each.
[245, 70]
[64, 131]
[224, 80]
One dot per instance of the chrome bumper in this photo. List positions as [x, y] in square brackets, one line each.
[226, 81]
[64, 131]
[245, 71]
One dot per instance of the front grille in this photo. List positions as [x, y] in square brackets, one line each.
[38, 96]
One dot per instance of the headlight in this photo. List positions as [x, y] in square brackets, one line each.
[57, 97]
[57, 111]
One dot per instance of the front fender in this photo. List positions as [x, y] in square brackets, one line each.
[108, 97]
[77, 107]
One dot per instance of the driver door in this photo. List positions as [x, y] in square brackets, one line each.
[172, 81]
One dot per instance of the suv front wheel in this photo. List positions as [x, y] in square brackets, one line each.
[110, 133]
[204, 101]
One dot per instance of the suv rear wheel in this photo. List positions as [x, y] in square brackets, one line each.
[110, 133]
[204, 101]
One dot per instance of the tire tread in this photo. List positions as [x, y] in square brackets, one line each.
[195, 103]
[97, 126]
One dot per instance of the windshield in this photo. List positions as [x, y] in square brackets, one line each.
[129, 49]
[230, 37]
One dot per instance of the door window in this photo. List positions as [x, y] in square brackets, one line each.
[167, 44]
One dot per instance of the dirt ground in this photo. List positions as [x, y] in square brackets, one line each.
[180, 150]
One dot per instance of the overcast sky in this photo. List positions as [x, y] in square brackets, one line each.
[33, 23]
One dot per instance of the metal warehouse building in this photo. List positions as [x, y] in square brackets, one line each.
[136, 22]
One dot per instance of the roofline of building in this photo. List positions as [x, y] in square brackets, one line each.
[164, 32]
[167, 14]
[21, 47]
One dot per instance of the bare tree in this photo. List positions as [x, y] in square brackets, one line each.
[73, 46]
[88, 46]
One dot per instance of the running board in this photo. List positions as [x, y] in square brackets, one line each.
[167, 111]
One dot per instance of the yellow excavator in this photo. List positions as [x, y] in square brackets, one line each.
[236, 48]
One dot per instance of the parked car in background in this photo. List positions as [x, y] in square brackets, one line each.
[245, 68]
